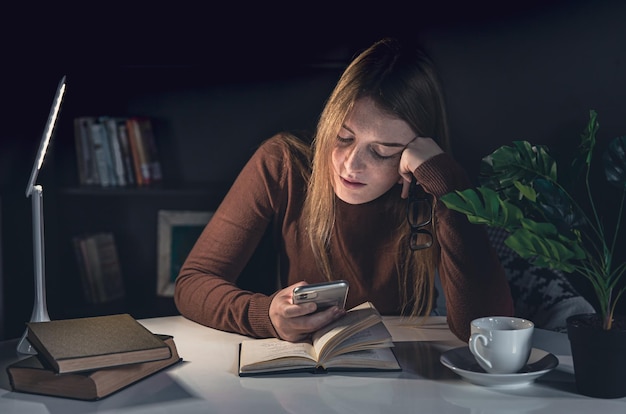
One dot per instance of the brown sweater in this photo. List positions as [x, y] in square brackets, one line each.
[269, 191]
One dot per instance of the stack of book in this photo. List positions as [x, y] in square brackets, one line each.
[116, 151]
[90, 358]
[99, 267]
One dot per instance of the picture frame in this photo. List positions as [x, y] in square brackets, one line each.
[178, 231]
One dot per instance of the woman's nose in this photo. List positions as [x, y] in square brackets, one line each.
[354, 160]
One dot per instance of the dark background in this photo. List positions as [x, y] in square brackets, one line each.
[220, 79]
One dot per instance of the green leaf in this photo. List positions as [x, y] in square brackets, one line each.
[540, 228]
[585, 149]
[615, 162]
[557, 207]
[526, 191]
[520, 193]
[588, 137]
[521, 163]
[545, 249]
[484, 206]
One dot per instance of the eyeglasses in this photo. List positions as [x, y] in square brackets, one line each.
[419, 200]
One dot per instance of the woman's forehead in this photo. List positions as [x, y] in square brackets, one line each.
[366, 121]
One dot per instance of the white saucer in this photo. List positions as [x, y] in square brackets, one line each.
[461, 361]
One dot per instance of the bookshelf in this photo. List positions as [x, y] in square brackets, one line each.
[206, 123]
[131, 215]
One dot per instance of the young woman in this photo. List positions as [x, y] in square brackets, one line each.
[360, 204]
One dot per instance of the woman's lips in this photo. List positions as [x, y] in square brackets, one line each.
[351, 184]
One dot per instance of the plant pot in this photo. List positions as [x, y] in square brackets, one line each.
[598, 355]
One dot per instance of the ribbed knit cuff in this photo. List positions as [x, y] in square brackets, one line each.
[259, 316]
[441, 174]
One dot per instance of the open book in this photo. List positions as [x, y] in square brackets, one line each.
[359, 341]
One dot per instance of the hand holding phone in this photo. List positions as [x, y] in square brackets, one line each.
[325, 294]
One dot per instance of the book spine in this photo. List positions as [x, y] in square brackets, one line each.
[137, 150]
[143, 152]
[116, 151]
[129, 167]
[89, 293]
[80, 157]
[95, 268]
[152, 155]
[101, 153]
[110, 272]
[91, 176]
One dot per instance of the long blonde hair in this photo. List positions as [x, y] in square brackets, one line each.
[401, 80]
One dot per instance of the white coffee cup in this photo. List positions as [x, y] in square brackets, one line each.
[501, 344]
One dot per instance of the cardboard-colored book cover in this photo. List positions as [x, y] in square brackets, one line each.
[32, 375]
[83, 344]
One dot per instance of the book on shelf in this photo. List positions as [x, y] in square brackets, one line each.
[102, 154]
[84, 344]
[33, 375]
[136, 148]
[111, 128]
[358, 341]
[150, 148]
[87, 167]
[116, 151]
[99, 267]
[143, 145]
[127, 156]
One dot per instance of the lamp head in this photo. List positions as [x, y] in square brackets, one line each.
[47, 134]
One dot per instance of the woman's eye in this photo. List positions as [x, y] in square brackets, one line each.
[380, 156]
[344, 141]
[377, 152]
[383, 153]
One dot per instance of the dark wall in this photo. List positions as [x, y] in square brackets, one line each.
[534, 77]
[530, 71]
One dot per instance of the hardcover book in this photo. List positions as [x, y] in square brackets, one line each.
[87, 166]
[138, 149]
[33, 375]
[358, 341]
[150, 149]
[99, 267]
[122, 135]
[111, 126]
[102, 154]
[83, 344]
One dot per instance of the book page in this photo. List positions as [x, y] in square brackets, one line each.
[376, 336]
[272, 352]
[380, 358]
[356, 319]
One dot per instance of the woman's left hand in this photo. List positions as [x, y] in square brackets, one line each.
[415, 153]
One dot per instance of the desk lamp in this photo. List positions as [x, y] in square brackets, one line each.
[40, 309]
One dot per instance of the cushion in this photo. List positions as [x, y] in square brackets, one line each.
[544, 296]
[541, 295]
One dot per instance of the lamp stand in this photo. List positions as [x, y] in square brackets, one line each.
[40, 310]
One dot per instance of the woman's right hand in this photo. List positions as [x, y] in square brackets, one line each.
[418, 151]
[296, 322]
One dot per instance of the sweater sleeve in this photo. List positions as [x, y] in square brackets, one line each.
[206, 290]
[472, 277]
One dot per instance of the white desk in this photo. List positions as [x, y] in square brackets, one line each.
[207, 382]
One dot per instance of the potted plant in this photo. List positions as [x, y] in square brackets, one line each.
[553, 221]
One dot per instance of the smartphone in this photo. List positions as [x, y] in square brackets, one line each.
[325, 294]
